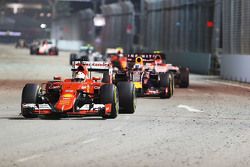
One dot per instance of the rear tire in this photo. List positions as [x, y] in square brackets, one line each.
[106, 77]
[184, 78]
[32, 51]
[166, 82]
[30, 94]
[127, 97]
[56, 52]
[109, 94]
[139, 92]
[72, 58]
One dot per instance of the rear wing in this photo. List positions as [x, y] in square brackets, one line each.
[147, 57]
[92, 66]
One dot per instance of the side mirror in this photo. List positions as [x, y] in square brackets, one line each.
[57, 78]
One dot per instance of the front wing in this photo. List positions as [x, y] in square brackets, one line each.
[85, 110]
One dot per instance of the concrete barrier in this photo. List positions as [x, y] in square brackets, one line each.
[199, 63]
[236, 67]
[68, 44]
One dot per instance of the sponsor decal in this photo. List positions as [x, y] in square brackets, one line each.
[84, 87]
[69, 91]
[138, 85]
[68, 95]
[108, 108]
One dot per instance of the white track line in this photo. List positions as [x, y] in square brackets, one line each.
[89, 141]
[191, 109]
[29, 158]
[39, 155]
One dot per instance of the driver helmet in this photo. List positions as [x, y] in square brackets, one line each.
[80, 75]
[158, 60]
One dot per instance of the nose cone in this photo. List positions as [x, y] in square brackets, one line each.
[65, 103]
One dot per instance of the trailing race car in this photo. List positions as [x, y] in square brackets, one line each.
[43, 48]
[151, 76]
[81, 95]
[86, 53]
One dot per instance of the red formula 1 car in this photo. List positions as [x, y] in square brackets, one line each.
[82, 95]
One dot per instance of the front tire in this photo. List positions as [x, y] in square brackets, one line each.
[127, 97]
[109, 94]
[30, 94]
[166, 85]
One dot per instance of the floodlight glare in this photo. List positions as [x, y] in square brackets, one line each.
[99, 20]
[43, 26]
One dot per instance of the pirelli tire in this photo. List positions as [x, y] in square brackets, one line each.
[33, 51]
[109, 94]
[53, 51]
[72, 58]
[184, 78]
[106, 77]
[127, 97]
[57, 52]
[139, 92]
[30, 95]
[166, 85]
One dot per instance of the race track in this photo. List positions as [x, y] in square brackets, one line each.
[205, 125]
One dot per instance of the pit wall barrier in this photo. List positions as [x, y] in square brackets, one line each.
[235, 67]
[68, 45]
[199, 63]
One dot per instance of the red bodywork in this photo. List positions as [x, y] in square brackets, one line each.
[119, 61]
[69, 91]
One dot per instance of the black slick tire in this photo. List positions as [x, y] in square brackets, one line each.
[109, 94]
[106, 77]
[166, 82]
[127, 97]
[184, 78]
[72, 58]
[30, 94]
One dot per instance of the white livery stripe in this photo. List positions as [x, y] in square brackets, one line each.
[40, 106]
[95, 106]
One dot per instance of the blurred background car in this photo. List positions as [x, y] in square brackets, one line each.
[44, 47]
[86, 53]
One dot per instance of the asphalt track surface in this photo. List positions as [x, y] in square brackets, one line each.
[206, 125]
